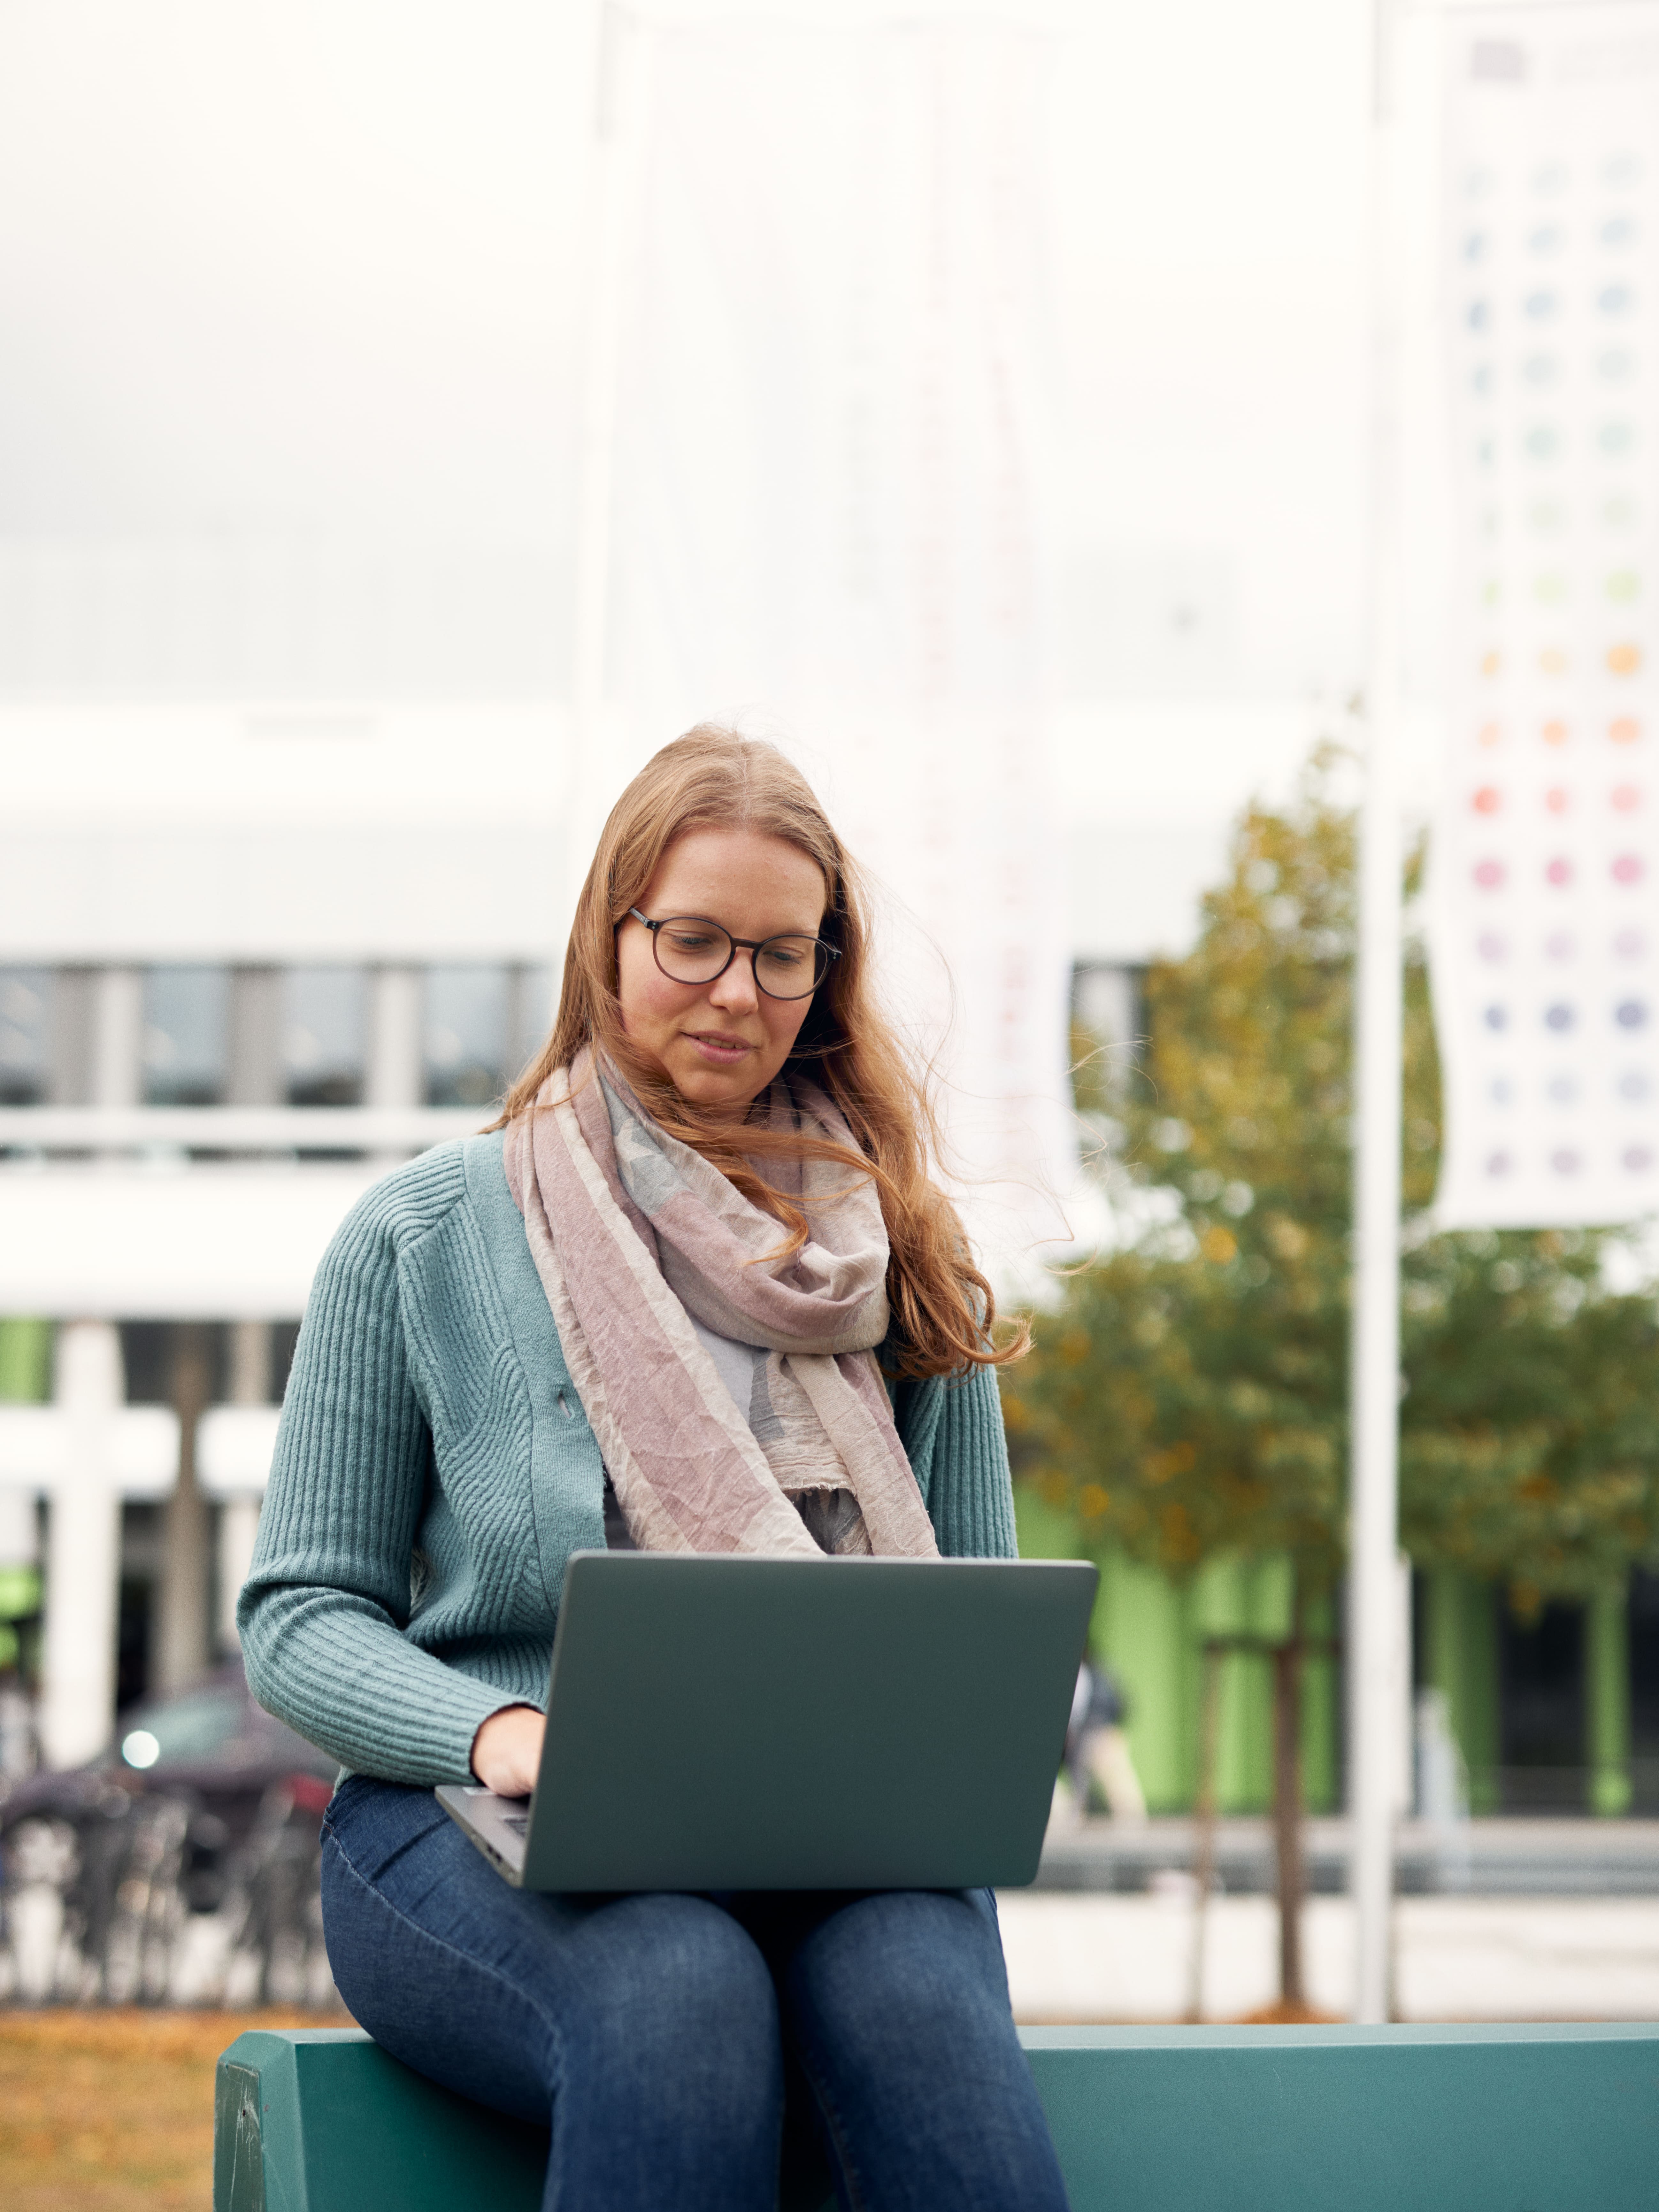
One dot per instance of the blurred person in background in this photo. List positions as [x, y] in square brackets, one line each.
[1097, 1754]
[478, 1391]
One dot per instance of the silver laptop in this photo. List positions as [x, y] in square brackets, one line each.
[725, 1724]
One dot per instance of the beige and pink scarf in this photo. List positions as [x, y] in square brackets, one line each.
[632, 1233]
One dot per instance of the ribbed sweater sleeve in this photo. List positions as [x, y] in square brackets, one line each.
[322, 1613]
[969, 1495]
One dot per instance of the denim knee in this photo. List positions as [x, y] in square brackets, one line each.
[683, 1981]
[915, 1959]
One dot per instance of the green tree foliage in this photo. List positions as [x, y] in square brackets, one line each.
[1189, 1395]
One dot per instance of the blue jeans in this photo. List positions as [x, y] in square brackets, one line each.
[653, 2034]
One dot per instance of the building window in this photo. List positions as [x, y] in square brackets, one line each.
[325, 1023]
[25, 1013]
[185, 1023]
[468, 1033]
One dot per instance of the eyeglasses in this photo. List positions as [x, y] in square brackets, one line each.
[690, 950]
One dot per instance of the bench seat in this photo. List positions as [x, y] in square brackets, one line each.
[1551, 2119]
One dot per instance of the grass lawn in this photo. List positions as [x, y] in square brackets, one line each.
[112, 2110]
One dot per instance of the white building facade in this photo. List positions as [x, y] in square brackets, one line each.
[248, 962]
[250, 958]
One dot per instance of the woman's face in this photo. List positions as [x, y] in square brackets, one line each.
[719, 1043]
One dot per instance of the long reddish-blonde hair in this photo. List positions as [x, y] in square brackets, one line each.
[943, 1313]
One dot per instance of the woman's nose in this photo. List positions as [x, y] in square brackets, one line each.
[736, 990]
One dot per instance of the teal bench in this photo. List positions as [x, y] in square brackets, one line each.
[1146, 2119]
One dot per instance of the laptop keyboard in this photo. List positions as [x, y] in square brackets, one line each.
[519, 1822]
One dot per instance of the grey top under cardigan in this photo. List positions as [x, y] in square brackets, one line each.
[434, 1470]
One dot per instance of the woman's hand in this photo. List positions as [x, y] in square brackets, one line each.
[507, 1752]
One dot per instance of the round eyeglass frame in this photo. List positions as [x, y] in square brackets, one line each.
[753, 946]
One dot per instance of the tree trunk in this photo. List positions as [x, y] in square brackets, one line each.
[1288, 1807]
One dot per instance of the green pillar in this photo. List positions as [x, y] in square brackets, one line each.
[1234, 1595]
[1267, 1587]
[25, 1361]
[1461, 1653]
[25, 1379]
[1606, 1702]
[1145, 1636]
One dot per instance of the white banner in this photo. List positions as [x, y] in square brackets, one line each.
[832, 518]
[1545, 857]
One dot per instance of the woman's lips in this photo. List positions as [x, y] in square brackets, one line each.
[719, 1051]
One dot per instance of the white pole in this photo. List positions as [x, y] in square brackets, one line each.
[395, 1073]
[1374, 1688]
[83, 1549]
[118, 1037]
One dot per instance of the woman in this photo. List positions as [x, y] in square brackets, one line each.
[694, 1292]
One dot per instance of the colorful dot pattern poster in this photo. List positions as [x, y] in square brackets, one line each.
[1546, 859]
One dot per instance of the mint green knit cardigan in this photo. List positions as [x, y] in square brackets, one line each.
[433, 1470]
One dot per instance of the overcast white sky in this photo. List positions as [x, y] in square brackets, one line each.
[275, 264]
[313, 272]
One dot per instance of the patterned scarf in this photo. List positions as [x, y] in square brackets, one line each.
[632, 1232]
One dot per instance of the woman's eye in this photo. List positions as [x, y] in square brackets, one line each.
[689, 940]
[785, 956]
